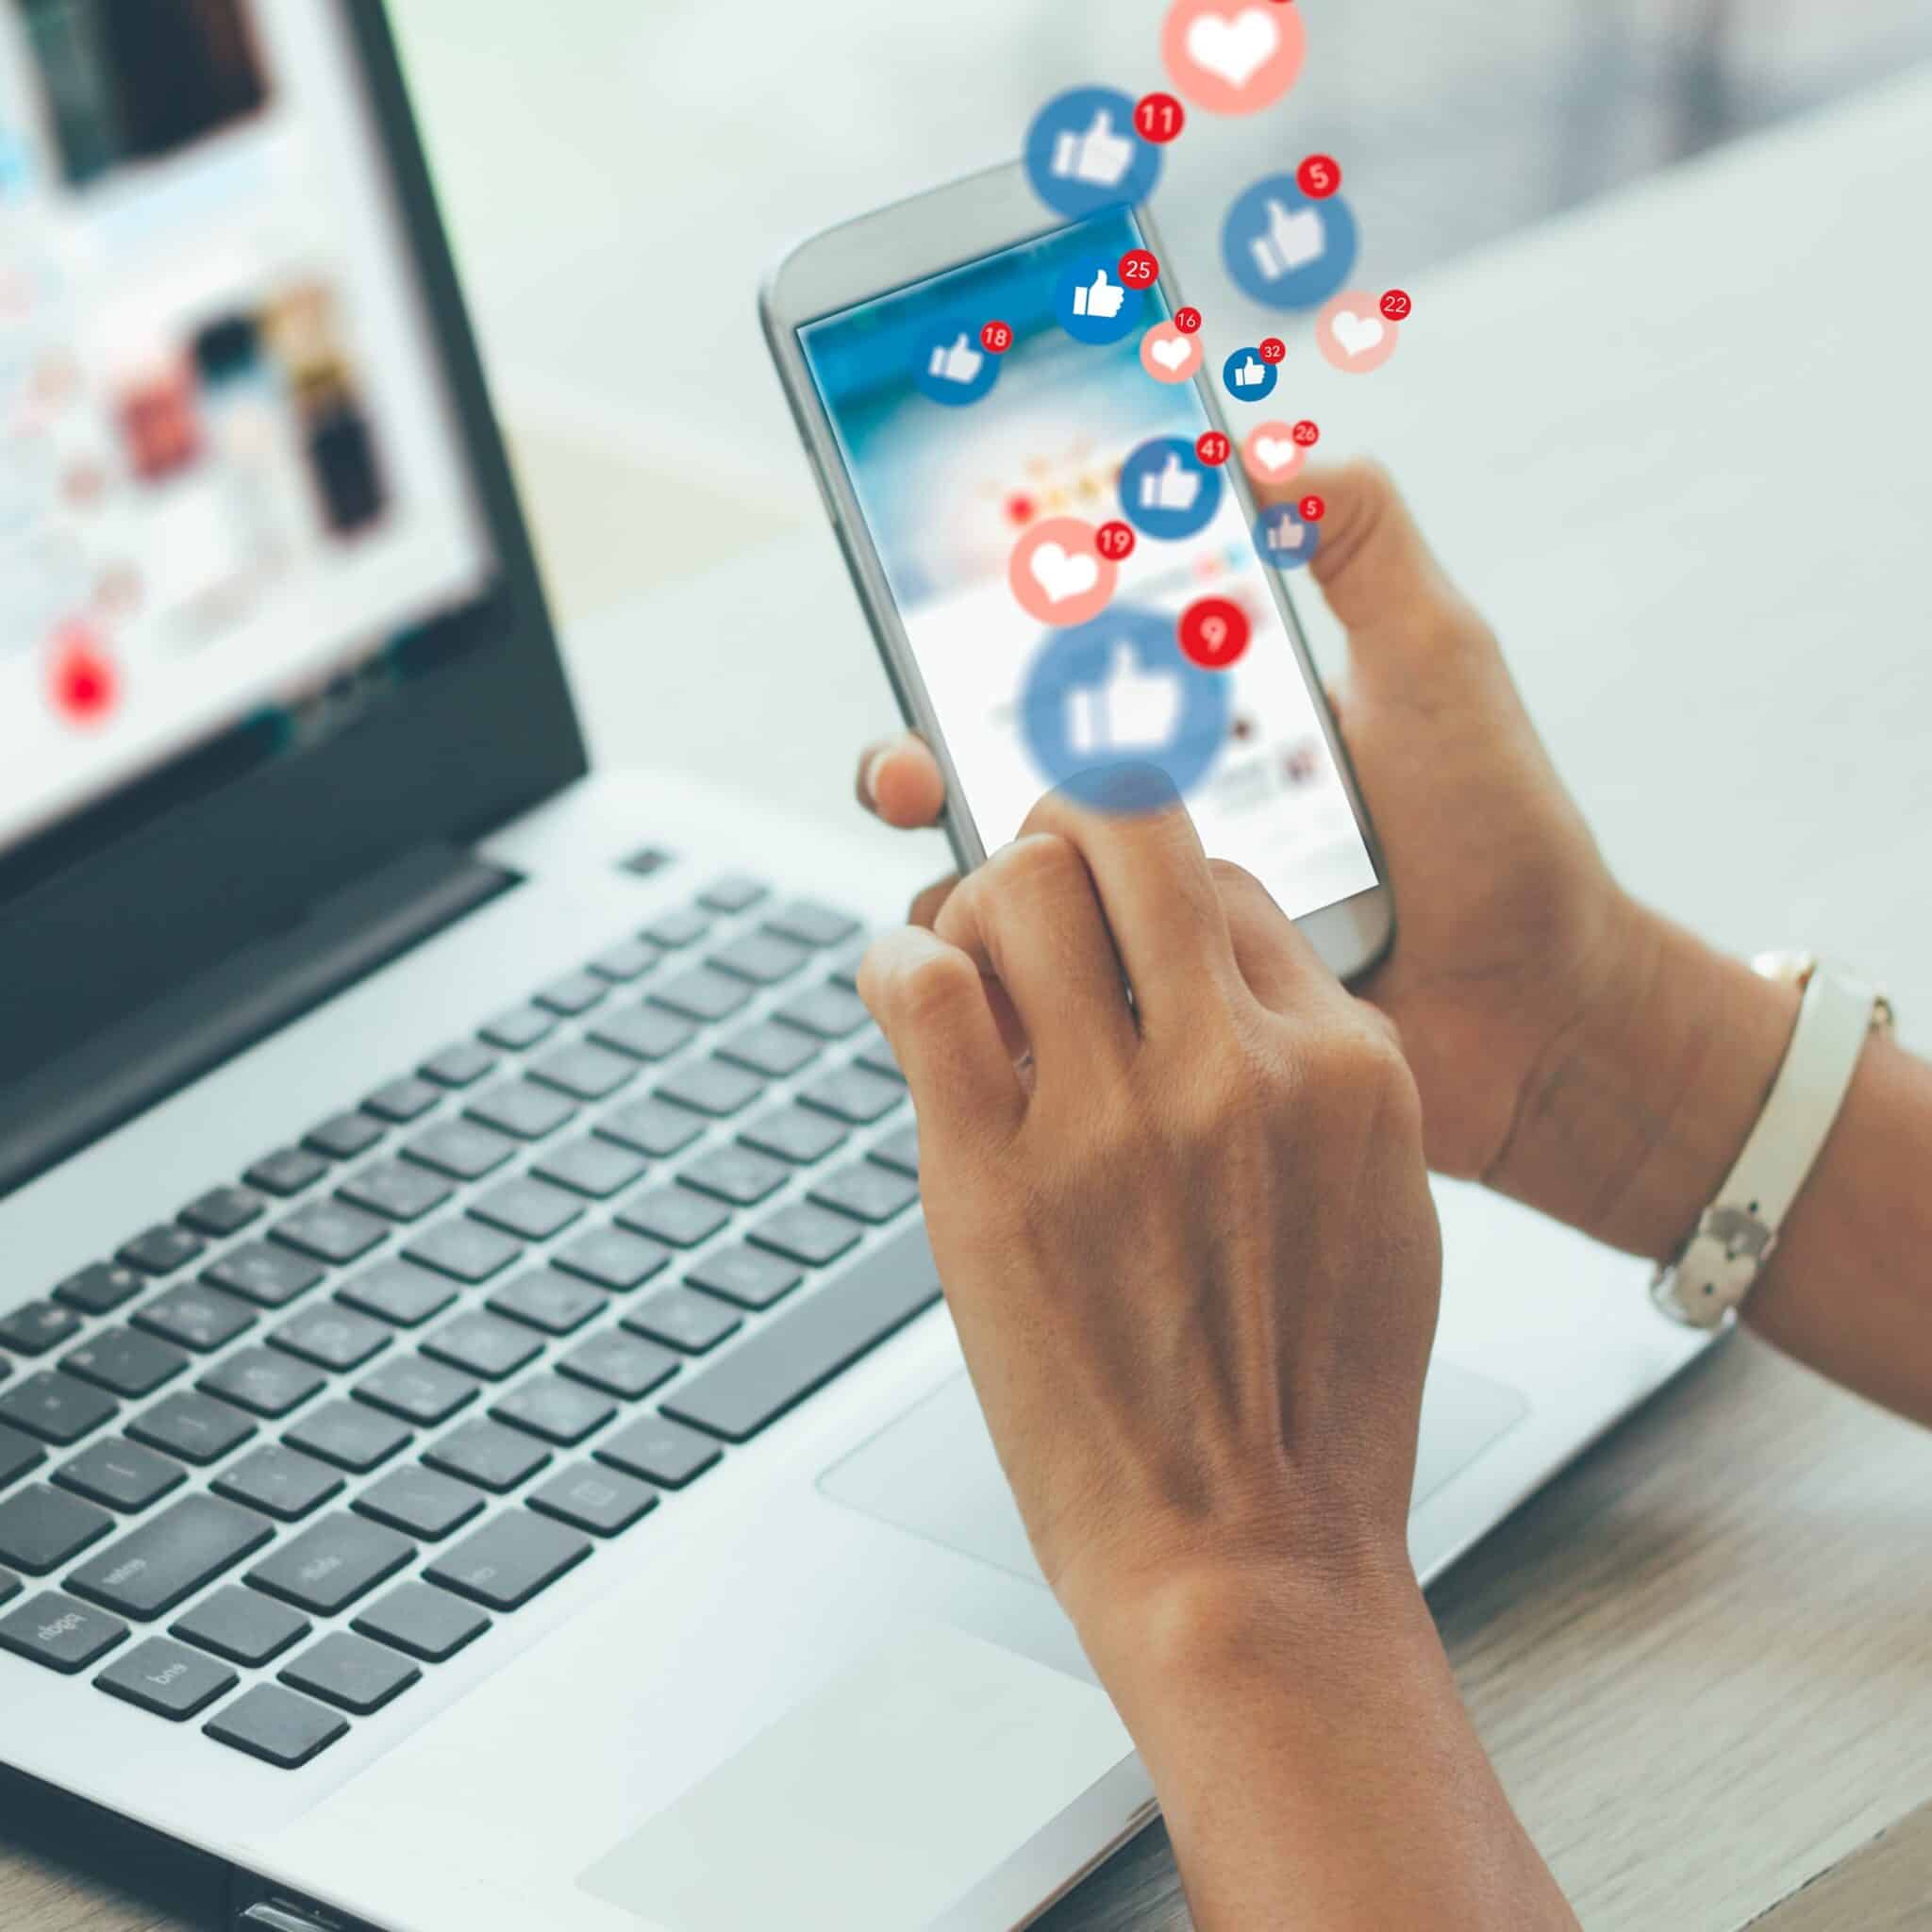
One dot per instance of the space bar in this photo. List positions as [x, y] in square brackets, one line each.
[761, 1379]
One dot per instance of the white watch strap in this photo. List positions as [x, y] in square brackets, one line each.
[1723, 1259]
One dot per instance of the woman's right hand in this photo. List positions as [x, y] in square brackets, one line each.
[1512, 938]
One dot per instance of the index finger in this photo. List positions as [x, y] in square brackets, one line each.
[899, 779]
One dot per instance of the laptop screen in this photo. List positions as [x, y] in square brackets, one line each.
[233, 487]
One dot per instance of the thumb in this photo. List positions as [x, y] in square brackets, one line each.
[1103, 124]
[1378, 576]
[1100, 278]
[959, 344]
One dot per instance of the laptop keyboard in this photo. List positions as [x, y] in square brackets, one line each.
[334, 1420]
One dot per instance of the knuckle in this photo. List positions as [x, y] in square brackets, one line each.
[931, 990]
[1042, 865]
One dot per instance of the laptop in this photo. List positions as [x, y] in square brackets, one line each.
[481, 1446]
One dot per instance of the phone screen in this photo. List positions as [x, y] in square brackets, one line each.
[948, 491]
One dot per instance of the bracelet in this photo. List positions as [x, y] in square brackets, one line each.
[1706, 1282]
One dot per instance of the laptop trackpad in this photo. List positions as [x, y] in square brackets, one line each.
[876, 1803]
[933, 1470]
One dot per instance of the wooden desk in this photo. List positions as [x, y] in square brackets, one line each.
[1673, 445]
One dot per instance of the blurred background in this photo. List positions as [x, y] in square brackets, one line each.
[619, 174]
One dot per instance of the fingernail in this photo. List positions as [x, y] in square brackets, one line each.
[874, 766]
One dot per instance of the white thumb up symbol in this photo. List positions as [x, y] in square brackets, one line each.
[1284, 535]
[1250, 375]
[1100, 158]
[957, 364]
[1174, 489]
[1293, 241]
[1131, 711]
[1102, 301]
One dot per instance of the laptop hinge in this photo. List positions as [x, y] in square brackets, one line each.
[65, 1104]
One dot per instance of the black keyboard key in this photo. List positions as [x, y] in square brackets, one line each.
[280, 1481]
[223, 1211]
[163, 1562]
[804, 1233]
[350, 1435]
[125, 1361]
[167, 1679]
[120, 1474]
[463, 1149]
[651, 1126]
[41, 1326]
[773, 1051]
[332, 1337]
[845, 967]
[286, 1172]
[778, 1367]
[674, 1214]
[521, 1108]
[241, 1625]
[546, 1301]
[899, 1150]
[531, 1209]
[620, 1364]
[101, 1289]
[739, 1174]
[612, 1258]
[702, 993]
[712, 1087]
[161, 1250]
[40, 1528]
[480, 1452]
[762, 958]
[351, 1672]
[748, 1276]
[590, 1166]
[519, 1027]
[343, 1136]
[794, 1133]
[196, 1427]
[17, 1456]
[58, 1632]
[10, 1585]
[683, 927]
[504, 1565]
[828, 1013]
[329, 1231]
[558, 1411]
[277, 1727]
[627, 960]
[576, 992]
[850, 1094]
[417, 1391]
[660, 1451]
[54, 1407]
[272, 1277]
[599, 1500]
[876, 1055]
[811, 922]
[398, 1190]
[332, 1562]
[645, 1033]
[464, 1249]
[484, 1345]
[421, 1503]
[397, 1292]
[586, 1072]
[461, 1065]
[264, 1380]
[734, 892]
[867, 1192]
[407, 1099]
[421, 1621]
[196, 1317]
[693, 1323]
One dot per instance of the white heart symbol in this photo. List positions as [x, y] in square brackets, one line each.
[1234, 49]
[1062, 577]
[1273, 454]
[1171, 352]
[1358, 334]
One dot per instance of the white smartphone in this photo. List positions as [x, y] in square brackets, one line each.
[929, 501]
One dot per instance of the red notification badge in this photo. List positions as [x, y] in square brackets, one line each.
[1115, 541]
[1308, 434]
[1213, 633]
[1319, 176]
[1138, 269]
[1187, 319]
[996, 339]
[1312, 509]
[1274, 350]
[1159, 118]
[1212, 448]
[1397, 305]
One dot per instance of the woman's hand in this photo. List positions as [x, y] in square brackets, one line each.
[1511, 932]
[1188, 1246]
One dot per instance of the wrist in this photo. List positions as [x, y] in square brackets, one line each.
[1628, 1126]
